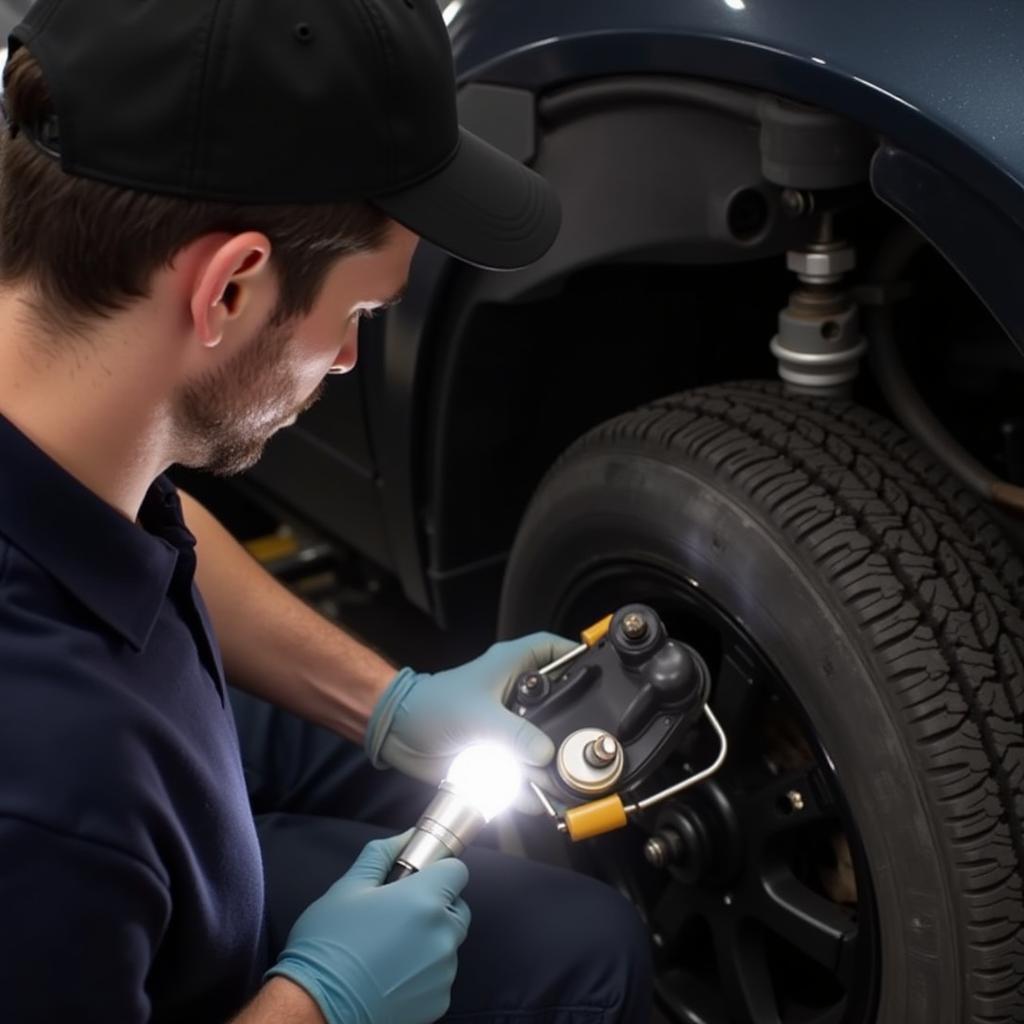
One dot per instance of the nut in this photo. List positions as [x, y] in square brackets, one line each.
[634, 626]
[821, 265]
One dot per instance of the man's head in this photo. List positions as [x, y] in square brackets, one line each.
[259, 179]
[87, 250]
[272, 368]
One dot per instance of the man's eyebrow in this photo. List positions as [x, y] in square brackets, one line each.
[392, 300]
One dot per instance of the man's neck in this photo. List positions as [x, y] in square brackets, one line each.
[97, 406]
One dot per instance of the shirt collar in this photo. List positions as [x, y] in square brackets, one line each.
[119, 570]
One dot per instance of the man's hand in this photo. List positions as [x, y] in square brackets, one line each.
[422, 721]
[367, 952]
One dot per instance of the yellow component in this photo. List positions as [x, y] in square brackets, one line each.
[595, 818]
[272, 547]
[597, 632]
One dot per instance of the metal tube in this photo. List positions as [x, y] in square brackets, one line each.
[642, 805]
[900, 391]
[564, 659]
[546, 804]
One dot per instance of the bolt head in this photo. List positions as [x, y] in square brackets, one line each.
[794, 202]
[727, 899]
[602, 751]
[795, 799]
[634, 626]
[656, 852]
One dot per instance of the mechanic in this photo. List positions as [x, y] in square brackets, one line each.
[198, 202]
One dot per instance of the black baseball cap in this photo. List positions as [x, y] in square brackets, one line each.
[283, 101]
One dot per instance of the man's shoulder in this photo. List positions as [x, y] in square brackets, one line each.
[27, 588]
[44, 630]
[78, 750]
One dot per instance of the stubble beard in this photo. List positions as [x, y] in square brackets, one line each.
[224, 421]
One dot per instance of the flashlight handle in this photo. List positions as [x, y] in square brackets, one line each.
[445, 828]
[398, 872]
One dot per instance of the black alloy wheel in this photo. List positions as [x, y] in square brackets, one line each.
[859, 857]
[763, 909]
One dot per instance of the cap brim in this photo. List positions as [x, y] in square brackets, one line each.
[483, 207]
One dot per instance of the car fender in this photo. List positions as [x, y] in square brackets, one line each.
[939, 88]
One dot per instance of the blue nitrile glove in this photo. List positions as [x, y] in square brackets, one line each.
[422, 720]
[373, 954]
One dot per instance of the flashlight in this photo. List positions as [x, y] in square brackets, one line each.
[482, 781]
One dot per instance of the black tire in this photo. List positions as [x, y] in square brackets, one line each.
[887, 601]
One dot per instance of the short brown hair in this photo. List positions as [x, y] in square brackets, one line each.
[90, 248]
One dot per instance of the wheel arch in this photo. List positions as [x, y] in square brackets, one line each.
[517, 60]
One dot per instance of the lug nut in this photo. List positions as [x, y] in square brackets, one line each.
[634, 626]
[601, 752]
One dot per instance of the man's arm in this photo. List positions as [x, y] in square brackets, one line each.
[273, 644]
[280, 1001]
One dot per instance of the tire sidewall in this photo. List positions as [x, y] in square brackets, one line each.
[627, 505]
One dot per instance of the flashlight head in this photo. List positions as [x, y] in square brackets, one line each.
[487, 777]
[482, 781]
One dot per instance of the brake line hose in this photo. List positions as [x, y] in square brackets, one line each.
[899, 391]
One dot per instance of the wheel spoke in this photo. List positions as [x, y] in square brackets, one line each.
[743, 968]
[820, 929]
[689, 998]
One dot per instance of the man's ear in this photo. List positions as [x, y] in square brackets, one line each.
[222, 286]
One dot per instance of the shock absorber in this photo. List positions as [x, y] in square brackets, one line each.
[819, 345]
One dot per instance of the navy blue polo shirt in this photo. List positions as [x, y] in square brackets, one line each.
[131, 884]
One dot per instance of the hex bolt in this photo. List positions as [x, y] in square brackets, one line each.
[727, 899]
[795, 799]
[634, 626]
[601, 752]
[532, 681]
